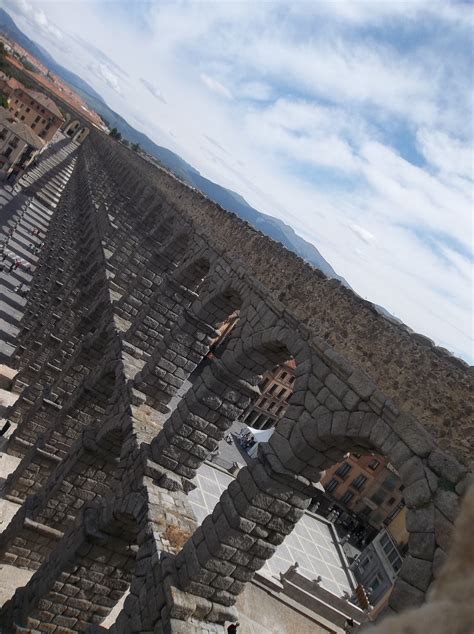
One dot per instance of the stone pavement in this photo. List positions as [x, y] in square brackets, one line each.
[25, 209]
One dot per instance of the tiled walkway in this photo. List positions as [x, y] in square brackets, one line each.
[313, 543]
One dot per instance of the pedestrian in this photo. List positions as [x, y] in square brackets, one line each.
[232, 629]
[19, 288]
[17, 263]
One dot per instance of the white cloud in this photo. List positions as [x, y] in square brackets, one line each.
[348, 120]
[103, 72]
[448, 154]
[215, 86]
[256, 90]
[36, 16]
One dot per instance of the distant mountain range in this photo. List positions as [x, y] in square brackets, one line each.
[272, 227]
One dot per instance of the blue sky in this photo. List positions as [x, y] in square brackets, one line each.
[351, 121]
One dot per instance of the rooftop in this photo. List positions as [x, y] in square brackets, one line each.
[24, 132]
[46, 102]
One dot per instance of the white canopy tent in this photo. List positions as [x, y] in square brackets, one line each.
[260, 435]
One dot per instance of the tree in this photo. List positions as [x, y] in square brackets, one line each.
[136, 147]
[115, 134]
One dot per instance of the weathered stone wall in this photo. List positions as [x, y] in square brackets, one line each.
[419, 376]
[117, 321]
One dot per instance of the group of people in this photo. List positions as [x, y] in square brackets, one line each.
[246, 439]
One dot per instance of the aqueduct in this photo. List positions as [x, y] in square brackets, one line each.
[137, 275]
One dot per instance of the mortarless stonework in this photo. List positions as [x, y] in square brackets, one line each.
[137, 274]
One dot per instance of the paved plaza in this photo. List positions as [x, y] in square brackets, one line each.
[313, 543]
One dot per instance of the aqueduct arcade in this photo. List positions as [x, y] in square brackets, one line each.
[137, 275]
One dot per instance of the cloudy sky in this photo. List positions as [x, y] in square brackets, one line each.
[351, 121]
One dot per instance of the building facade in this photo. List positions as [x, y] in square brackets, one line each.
[32, 108]
[18, 144]
[377, 567]
[276, 389]
[366, 485]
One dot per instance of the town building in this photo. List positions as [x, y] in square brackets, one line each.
[33, 108]
[18, 144]
[366, 485]
[276, 388]
[376, 569]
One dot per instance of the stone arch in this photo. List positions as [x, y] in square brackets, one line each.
[334, 415]
[220, 395]
[334, 408]
[146, 279]
[81, 134]
[72, 127]
[191, 275]
[184, 347]
[94, 564]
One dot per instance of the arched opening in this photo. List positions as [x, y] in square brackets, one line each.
[220, 395]
[80, 135]
[72, 128]
[188, 343]
[142, 282]
[329, 414]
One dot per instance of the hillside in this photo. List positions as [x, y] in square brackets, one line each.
[10, 29]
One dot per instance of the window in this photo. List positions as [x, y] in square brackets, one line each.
[37, 119]
[271, 407]
[28, 109]
[3, 134]
[359, 482]
[33, 125]
[8, 151]
[344, 470]
[332, 485]
[373, 464]
[391, 501]
[22, 118]
[272, 389]
[386, 543]
[292, 380]
[283, 375]
[376, 581]
[378, 497]
[347, 497]
[13, 141]
[391, 482]
[42, 110]
[281, 392]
